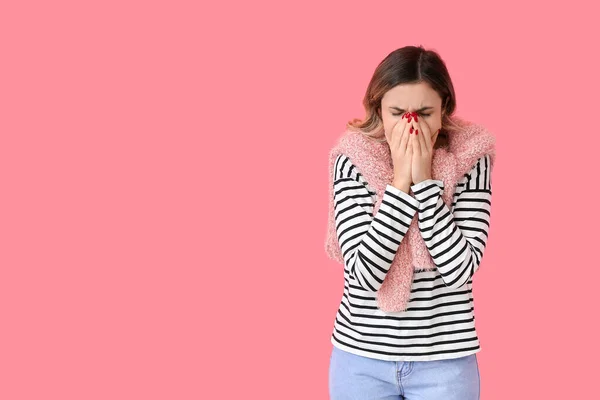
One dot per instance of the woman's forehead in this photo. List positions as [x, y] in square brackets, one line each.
[412, 95]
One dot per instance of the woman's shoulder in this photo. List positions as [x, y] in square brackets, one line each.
[479, 177]
[345, 169]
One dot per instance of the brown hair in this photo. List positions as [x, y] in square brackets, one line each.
[409, 64]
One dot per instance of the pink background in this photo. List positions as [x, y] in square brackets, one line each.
[164, 191]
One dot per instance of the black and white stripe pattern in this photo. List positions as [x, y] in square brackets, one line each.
[439, 322]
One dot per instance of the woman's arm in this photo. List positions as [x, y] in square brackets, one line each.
[456, 240]
[368, 243]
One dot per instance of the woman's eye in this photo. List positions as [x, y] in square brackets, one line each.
[424, 115]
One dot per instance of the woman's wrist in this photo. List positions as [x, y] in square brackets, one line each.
[401, 185]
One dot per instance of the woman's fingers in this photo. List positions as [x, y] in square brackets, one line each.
[397, 131]
[405, 134]
[426, 139]
[411, 130]
[414, 143]
[420, 138]
[409, 150]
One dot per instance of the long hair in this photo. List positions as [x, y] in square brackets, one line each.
[409, 64]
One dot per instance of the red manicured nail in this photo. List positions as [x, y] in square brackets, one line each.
[411, 129]
[416, 132]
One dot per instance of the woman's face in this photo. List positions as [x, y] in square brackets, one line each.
[418, 97]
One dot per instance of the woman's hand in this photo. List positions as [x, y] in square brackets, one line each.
[401, 152]
[422, 153]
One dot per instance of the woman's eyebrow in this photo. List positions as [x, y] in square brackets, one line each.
[421, 109]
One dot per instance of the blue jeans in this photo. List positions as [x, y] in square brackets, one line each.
[363, 378]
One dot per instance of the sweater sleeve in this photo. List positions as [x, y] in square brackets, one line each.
[368, 243]
[456, 239]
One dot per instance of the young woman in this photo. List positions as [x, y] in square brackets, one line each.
[410, 201]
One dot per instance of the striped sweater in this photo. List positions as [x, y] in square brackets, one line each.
[439, 322]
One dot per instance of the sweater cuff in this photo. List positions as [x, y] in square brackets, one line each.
[405, 197]
[425, 189]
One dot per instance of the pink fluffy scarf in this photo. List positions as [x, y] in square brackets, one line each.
[373, 160]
